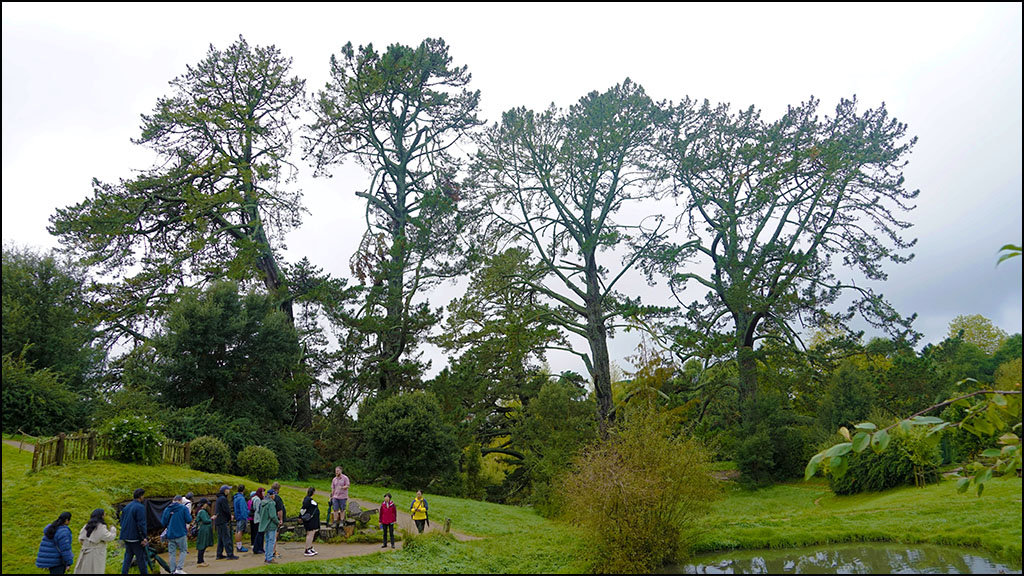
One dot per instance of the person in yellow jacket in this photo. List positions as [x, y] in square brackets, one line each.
[419, 511]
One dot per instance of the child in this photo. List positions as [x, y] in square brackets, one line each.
[388, 517]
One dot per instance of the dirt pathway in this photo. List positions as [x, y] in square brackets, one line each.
[289, 551]
[20, 445]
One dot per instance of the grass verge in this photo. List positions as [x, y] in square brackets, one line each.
[807, 513]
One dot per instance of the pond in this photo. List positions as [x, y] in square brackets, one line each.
[859, 558]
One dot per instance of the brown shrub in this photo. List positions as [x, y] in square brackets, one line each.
[638, 494]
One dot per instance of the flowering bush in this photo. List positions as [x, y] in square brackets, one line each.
[134, 439]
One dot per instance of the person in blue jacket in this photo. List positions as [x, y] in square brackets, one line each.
[55, 548]
[241, 517]
[133, 533]
[176, 519]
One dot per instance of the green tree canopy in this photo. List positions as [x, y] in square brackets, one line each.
[237, 352]
[977, 330]
[398, 114]
[215, 206]
[497, 335]
[48, 321]
[407, 439]
[783, 214]
[556, 183]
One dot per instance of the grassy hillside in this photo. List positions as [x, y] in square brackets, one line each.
[517, 540]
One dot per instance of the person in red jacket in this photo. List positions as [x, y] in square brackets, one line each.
[388, 517]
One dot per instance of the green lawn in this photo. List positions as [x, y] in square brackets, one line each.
[517, 540]
[806, 513]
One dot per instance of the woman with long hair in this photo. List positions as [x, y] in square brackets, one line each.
[94, 537]
[310, 515]
[55, 548]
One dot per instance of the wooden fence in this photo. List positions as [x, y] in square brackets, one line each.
[91, 445]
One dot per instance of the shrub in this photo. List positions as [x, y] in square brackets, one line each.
[408, 440]
[295, 452]
[638, 494]
[911, 458]
[36, 401]
[775, 442]
[258, 462]
[210, 454]
[134, 439]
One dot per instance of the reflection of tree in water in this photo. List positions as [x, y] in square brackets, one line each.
[846, 559]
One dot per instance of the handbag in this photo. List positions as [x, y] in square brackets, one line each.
[305, 515]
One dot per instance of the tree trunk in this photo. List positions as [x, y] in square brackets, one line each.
[392, 336]
[597, 337]
[746, 364]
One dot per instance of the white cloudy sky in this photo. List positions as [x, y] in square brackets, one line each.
[76, 77]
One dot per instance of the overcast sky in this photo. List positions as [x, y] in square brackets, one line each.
[76, 78]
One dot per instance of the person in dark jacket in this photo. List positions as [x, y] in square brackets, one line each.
[176, 519]
[310, 516]
[133, 533]
[55, 548]
[222, 521]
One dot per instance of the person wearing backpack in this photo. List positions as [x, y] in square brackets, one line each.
[418, 509]
[55, 548]
[255, 537]
[176, 520]
[269, 523]
[310, 516]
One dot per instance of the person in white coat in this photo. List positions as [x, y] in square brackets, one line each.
[94, 537]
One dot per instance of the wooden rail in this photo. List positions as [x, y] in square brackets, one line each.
[91, 445]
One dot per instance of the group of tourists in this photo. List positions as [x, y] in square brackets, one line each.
[262, 513]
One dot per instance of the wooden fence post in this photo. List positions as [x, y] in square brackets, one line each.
[35, 458]
[60, 449]
[188, 454]
[92, 445]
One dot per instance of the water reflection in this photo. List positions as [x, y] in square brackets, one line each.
[863, 558]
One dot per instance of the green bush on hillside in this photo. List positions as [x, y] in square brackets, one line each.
[911, 458]
[638, 494]
[134, 439]
[210, 454]
[258, 462]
